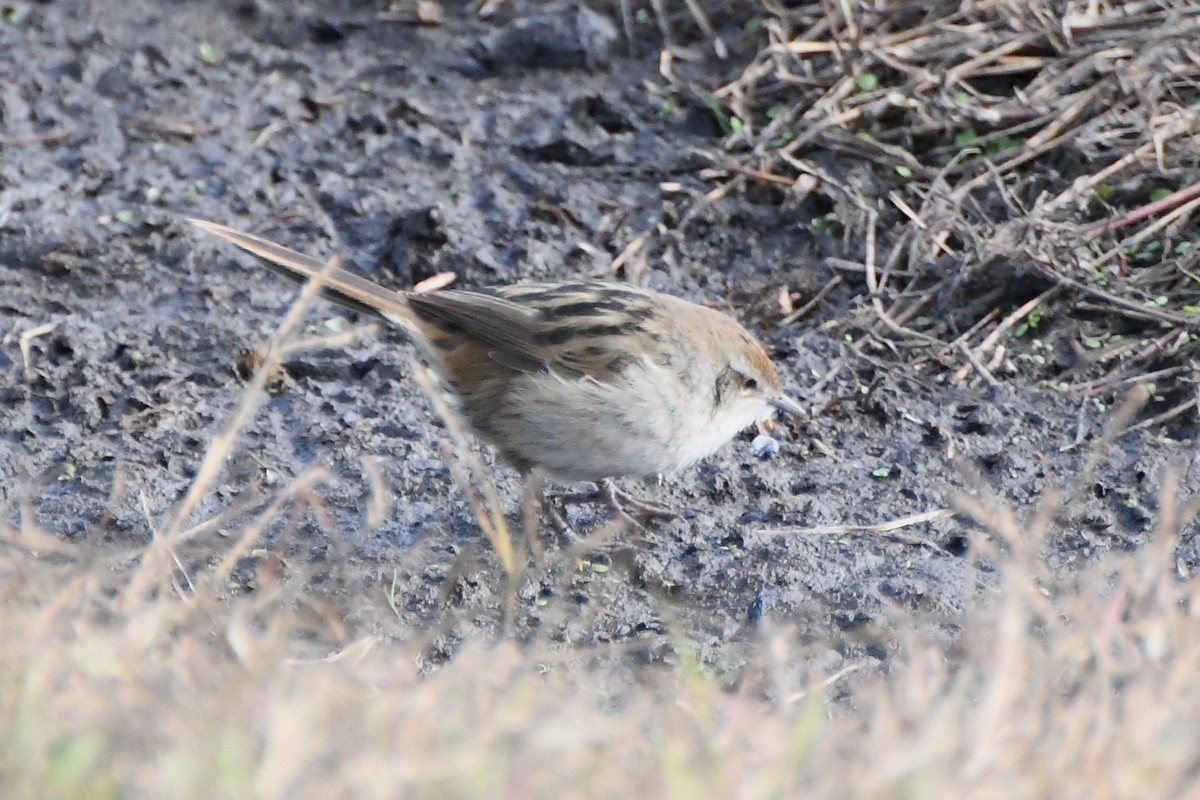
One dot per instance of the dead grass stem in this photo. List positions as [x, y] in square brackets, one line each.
[1023, 146]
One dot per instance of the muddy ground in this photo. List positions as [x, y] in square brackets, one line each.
[524, 146]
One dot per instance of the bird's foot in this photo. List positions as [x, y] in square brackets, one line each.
[634, 509]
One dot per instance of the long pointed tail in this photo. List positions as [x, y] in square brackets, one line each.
[342, 287]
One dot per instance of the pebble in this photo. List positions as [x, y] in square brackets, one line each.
[764, 446]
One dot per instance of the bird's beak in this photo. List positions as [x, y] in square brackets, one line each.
[787, 404]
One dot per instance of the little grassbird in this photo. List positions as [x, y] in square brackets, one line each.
[583, 380]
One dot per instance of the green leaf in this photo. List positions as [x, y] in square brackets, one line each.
[867, 81]
[1003, 143]
[715, 107]
[965, 137]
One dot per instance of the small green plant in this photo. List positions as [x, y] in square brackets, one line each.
[1002, 143]
[824, 222]
[1150, 251]
[728, 122]
[968, 137]
[1031, 322]
[965, 137]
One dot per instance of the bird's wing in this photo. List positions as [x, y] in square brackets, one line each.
[575, 329]
[508, 329]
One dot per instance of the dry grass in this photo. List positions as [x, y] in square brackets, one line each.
[112, 686]
[123, 677]
[986, 165]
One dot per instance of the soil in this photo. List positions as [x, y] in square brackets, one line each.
[524, 146]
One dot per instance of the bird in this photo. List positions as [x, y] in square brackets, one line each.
[578, 380]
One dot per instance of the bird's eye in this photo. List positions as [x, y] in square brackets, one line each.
[749, 384]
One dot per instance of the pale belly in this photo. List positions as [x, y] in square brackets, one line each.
[580, 429]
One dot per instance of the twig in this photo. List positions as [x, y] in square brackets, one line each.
[1006, 324]
[966, 335]
[974, 361]
[1042, 142]
[633, 248]
[1181, 124]
[1118, 303]
[1110, 381]
[1144, 211]
[1163, 417]
[874, 286]
[890, 527]
[1149, 230]
[23, 342]
[803, 310]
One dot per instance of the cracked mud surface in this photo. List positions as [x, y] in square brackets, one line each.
[488, 149]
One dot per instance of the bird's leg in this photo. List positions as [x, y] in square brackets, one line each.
[625, 504]
[536, 497]
[643, 509]
[533, 498]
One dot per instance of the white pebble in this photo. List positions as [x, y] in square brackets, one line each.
[764, 446]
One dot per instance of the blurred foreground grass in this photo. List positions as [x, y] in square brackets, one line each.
[116, 682]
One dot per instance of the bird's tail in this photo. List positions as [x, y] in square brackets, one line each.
[342, 287]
